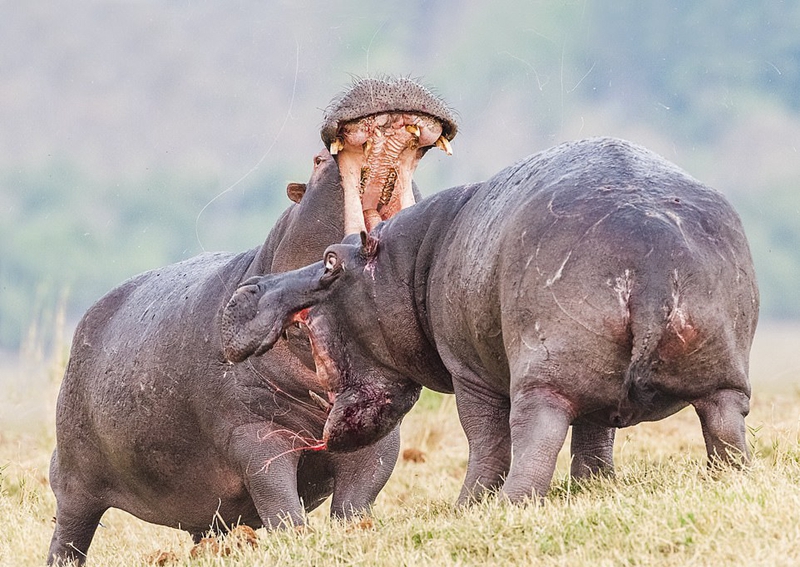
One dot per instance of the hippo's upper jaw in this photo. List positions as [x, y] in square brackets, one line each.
[378, 131]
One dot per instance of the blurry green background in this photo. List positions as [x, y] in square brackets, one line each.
[135, 134]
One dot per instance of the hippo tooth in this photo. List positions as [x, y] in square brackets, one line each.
[367, 147]
[444, 144]
[388, 187]
[413, 129]
[324, 405]
[336, 146]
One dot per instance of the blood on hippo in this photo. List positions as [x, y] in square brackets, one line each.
[420, 301]
[681, 337]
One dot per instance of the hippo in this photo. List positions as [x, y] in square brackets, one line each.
[593, 285]
[152, 419]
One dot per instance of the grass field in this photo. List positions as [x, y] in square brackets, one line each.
[663, 508]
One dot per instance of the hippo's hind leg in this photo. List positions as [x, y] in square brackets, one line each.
[540, 419]
[77, 516]
[73, 534]
[592, 450]
[360, 475]
[484, 417]
[722, 416]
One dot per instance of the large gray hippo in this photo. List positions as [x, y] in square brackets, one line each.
[594, 284]
[151, 417]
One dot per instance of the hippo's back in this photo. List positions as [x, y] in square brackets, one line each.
[143, 358]
[157, 316]
[597, 253]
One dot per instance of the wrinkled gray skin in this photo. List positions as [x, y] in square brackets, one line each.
[152, 418]
[594, 285]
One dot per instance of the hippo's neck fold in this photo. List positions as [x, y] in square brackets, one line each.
[409, 245]
[302, 234]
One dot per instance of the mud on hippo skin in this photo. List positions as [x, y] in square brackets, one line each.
[592, 285]
[152, 418]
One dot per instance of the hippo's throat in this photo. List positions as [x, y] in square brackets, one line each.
[377, 156]
[359, 411]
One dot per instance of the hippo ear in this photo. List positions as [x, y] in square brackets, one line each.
[295, 191]
[369, 245]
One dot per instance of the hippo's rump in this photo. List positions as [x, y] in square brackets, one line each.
[600, 257]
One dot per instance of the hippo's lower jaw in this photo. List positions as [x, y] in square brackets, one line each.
[377, 156]
[364, 415]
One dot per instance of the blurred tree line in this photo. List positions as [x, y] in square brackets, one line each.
[65, 237]
[125, 126]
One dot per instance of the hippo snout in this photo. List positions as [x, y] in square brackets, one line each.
[238, 337]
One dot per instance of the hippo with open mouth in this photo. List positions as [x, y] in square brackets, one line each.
[151, 417]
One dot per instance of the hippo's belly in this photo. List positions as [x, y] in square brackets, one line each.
[627, 415]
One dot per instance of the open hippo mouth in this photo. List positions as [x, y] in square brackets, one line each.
[378, 131]
[329, 376]
[361, 408]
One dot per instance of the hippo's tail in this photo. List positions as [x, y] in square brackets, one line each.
[654, 311]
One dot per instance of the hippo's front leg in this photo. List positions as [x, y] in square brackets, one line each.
[722, 418]
[484, 417]
[592, 450]
[268, 460]
[359, 476]
[539, 422]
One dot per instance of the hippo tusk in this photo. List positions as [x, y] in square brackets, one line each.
[317, 399]
[413, 129]
[444, 144]
[336, 146]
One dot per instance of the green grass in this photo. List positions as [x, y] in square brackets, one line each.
[663, 508]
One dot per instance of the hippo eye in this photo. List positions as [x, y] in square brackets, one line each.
[318, 160]
[331, 261]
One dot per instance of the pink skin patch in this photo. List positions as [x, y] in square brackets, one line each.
[301, 316]
[680, 337]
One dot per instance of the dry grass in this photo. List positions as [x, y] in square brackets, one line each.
[662, 509]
